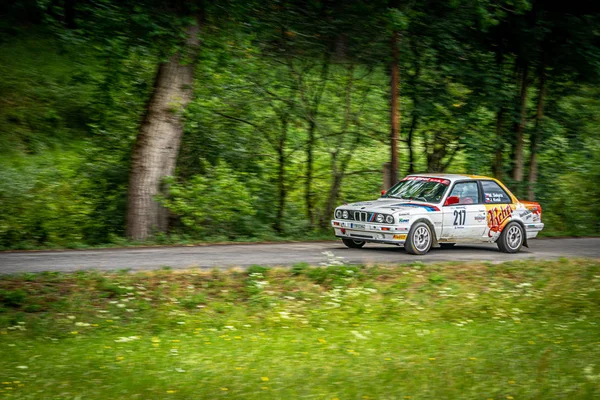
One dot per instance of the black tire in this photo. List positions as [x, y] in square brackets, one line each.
[447, 245]
[419, 239]
[512, 238]
[353, 244]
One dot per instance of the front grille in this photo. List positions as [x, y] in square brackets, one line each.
[361, 216]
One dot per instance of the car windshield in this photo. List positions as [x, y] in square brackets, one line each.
[419, 188]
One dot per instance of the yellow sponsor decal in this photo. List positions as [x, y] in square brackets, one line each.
[399, 237]
[498, 216]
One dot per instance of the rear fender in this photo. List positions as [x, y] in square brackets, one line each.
[522, 227]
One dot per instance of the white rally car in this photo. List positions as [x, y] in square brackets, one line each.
[422, 211]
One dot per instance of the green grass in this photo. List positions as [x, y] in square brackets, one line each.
[464, 331]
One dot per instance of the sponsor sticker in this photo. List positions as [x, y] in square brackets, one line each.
[399, 237]
[494, 197]
[427, 179]
[362, 203]
[497, 217]
[428, 207]
[403, 221]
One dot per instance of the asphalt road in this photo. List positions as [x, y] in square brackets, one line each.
[282, 254]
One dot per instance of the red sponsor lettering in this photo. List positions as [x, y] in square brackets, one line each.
[497, 217]
[427, 179]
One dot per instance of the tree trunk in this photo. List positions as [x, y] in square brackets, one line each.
[312, 104]
[413, 81]
[281, 192]
[535, 136]
[339, 159]
[336, 185]
[409, 143]
[70, 14]
[308, 194]
[338, 171]
[395, 113]
[520, 127]
[498, 167]
[155, 152]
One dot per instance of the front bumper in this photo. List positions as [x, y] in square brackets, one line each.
[369, 232]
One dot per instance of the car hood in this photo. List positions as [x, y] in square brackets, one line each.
[391, 206]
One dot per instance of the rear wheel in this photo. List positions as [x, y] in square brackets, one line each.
[419, 239]
[447, 245]
[511, 239]
[353, 244]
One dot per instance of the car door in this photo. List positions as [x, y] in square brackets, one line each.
[465, 220]
[499, 207]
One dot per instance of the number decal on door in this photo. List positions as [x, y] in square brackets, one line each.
[459, 217]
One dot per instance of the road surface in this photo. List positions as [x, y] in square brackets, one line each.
[279, 254]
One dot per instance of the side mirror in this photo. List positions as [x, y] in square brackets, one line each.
[383, 192]
[452, 200]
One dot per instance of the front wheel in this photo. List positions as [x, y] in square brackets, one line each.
[511, 238]
[419, 240]
[353, 244]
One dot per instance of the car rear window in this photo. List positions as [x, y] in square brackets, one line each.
[493, 193]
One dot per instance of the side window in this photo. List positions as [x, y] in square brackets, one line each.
[494, 194]
[467, 192]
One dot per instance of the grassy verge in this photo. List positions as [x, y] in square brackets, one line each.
[465, 331]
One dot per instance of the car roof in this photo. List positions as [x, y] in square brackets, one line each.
[453, 177]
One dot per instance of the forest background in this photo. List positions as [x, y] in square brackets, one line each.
[172, 122]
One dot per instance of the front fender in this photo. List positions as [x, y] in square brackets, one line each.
[431, 226]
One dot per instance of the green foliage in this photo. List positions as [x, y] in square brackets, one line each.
[398, 21]
[12, 298]
[46, 92]
[43, 201]
[257, 269]
[279, 85]
[333, 275]
[216, 204]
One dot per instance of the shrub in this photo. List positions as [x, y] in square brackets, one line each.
[215, 204]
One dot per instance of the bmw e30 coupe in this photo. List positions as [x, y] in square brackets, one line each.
[426, 210]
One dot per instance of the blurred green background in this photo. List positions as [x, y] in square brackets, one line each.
[291, 111]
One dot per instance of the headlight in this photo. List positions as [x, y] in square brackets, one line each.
[338, 214]
[345, 214]
[389, 219]
[380, 218]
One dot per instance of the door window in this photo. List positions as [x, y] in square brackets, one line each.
[467, 193]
